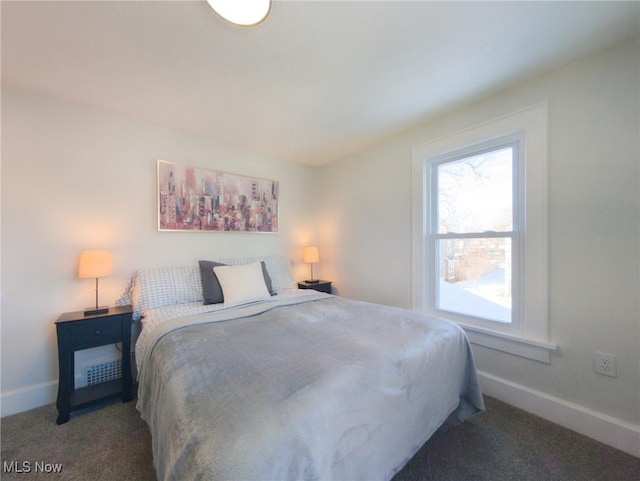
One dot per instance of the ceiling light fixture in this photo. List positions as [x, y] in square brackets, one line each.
[245, 13]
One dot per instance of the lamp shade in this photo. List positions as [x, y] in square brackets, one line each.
[95, 263]
[242, 12]
[310, 255]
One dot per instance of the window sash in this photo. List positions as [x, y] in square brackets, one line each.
[494, 313]
[513, 141]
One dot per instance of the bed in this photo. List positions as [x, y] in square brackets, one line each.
[292, 384]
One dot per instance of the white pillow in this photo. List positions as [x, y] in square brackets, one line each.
[278, 267]
[241, 284]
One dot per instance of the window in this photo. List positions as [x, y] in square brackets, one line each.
[473, 239]
[479, 232]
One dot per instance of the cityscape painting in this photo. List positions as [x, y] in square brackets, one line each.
[197, 199]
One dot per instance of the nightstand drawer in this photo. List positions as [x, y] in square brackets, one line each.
[95, 332]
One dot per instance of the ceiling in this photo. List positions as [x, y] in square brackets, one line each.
[316, 81]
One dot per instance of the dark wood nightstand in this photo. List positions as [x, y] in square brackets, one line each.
[322, 286]
[77, 332]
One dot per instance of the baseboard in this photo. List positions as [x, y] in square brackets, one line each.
[619, 434]
[24, 399]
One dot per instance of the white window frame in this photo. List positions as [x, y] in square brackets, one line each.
[516, 142]
[528, 334]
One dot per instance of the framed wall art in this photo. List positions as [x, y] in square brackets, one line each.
[195, 199]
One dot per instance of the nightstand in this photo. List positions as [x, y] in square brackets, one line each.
[77, 332]
[322, 286]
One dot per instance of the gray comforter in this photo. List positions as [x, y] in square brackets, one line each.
[318, 387]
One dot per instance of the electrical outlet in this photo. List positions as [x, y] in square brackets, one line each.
[605, 364]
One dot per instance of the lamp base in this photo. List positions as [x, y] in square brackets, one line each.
[312, 281]
[93, 310]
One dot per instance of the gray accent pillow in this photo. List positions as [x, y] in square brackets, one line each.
[211, 289]
[267, 279]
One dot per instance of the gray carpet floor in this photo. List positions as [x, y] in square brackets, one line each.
[111, 442]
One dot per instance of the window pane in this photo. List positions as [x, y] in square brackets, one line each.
[475, 194]
[475, 277]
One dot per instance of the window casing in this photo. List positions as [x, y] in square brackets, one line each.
[510, 247]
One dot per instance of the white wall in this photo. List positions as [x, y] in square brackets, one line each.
[594, 107]
[76, 178]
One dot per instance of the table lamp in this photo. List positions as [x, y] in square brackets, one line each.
[310, 256]
[95, 263]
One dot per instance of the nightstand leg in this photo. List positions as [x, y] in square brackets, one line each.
[63, 402]
[62, 417]
[127, 384]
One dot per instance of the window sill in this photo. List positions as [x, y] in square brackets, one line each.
[527, 348]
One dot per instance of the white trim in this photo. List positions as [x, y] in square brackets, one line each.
[527, 348]
[533, 319]
[612, 431]
[31, 397]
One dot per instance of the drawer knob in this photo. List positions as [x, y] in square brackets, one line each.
[97, 332]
